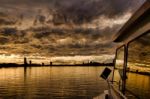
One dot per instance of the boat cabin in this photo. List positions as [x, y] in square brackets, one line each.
[132, 60]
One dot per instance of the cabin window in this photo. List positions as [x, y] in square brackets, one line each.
[138, 67]
[119, 64]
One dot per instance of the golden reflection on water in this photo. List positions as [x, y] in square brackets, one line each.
[51, 82]
[139, 85]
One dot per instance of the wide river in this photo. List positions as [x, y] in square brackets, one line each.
[62, 83]
[51, 83]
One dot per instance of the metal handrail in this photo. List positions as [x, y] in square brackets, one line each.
[119, 92]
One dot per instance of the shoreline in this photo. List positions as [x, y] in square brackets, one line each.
[5, 65]
[142, 73]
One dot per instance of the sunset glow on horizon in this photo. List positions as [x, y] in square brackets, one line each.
[12, 58]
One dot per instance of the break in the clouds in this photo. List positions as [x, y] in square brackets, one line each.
[62, 27]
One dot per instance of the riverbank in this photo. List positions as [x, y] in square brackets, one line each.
[139, 72]
[39, 65]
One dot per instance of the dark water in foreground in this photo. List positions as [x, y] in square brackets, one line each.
[51, 83]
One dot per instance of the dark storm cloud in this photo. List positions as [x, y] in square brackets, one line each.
[4, 40]
[5, 20]
[55, 42]
[9, 31]
[74, 42]
[78, 11]
[54, 27]
[2, 14]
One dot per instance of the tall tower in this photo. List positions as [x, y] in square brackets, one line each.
[30, 62]
[25, 61]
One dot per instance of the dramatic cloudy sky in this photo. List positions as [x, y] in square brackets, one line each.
[62, 27]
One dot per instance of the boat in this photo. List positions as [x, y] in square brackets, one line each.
[132, 55]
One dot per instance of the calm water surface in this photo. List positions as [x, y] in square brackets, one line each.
[139, 85]
[51, 83]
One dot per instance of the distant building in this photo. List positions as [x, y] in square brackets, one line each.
[30, 62]
[25, 61]
[51, 63]
[42, 64]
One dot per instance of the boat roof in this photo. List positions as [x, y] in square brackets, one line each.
[138, 24]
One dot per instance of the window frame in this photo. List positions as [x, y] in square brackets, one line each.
[124, 66]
